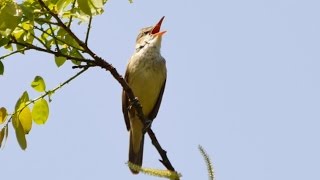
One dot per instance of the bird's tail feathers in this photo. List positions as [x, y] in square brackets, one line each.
[135, 158]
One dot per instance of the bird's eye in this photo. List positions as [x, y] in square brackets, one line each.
[146, 32]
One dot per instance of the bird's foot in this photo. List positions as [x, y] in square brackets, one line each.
[134, 102]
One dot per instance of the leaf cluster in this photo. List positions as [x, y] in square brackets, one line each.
[42, 25]
[23, 116]
[31, 25]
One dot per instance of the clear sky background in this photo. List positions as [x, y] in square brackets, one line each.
[243, 81]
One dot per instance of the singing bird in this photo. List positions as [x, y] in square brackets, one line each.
[146, 75]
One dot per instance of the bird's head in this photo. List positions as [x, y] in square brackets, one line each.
[150, 37]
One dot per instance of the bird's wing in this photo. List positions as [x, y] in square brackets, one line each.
[125, 105]
[156, 107]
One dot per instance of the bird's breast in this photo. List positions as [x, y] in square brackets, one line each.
[146, 76]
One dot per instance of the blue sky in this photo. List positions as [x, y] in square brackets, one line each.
[243, 81]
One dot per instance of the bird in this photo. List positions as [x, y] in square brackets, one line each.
[146, 74]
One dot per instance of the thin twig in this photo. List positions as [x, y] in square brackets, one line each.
[14, 52]
[165, 160]
[52, 33]
[70, 20]
[88, 31]
[83, 66]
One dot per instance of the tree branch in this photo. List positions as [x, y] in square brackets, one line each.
[56, 53]
[165, 161]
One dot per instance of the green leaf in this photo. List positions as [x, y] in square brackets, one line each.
[62, 4]
[29, 36]
[59, 60]
[38, 84]
[7, 131]
[24, 34]
[44, 36]
[3, 135]
[25, 118]
[8, 47]
[40, 111]
[91, 7]
[1, 68]
[4, 41]
[27, 10]
[10, 16]
[98, 4]
[3, 114]
[77, 14]
[19, 35]
[22, 115]
[61, 33]
[71, 41]
[22, 100]
[21, 136]
[84, 6]
[75, 53]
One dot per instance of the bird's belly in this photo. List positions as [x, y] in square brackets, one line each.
[146, 85]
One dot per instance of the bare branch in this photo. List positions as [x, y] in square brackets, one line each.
[70, 20]
[83, 66]
[165, 160]
[88, 30]
[14, 52]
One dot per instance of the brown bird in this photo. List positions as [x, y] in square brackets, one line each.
[146, 75]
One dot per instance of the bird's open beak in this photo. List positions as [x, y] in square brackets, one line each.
[156, 30]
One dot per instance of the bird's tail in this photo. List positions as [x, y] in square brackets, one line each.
[136, 156]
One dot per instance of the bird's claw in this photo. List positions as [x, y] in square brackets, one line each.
[133, 103]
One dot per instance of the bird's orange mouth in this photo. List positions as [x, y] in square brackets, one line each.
[156, 29]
